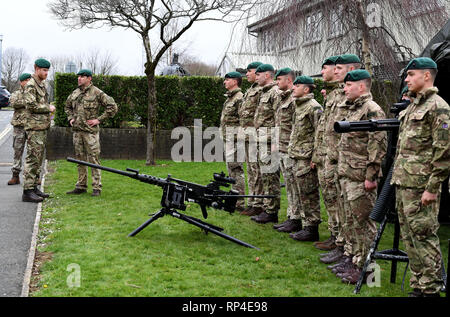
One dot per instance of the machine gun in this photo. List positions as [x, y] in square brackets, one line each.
[176, 192]
[384, 210]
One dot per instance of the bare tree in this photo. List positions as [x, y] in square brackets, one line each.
[159, 23]
[100, 63]
[14, 63]
[196, 67]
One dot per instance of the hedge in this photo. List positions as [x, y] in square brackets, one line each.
[180, 100]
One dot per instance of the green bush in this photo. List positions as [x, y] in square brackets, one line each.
[180, 100]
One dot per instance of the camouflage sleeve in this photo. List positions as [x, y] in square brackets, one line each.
[376, 147]
[31, 103]
[441, 156]
[69, 108]
[110, 105]
[15, 101]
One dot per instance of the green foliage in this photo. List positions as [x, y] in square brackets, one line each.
[180, 100]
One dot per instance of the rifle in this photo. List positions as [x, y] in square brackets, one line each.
[176, 192]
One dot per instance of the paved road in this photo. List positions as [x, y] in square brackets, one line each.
[16, 219]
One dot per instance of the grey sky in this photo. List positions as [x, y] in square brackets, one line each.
[28, 24]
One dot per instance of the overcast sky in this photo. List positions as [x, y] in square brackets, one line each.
[28, 24]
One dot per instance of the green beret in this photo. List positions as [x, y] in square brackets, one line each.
[254, 65]
[304, 80]
[85, 72]
[347, 59]
[283, 72]
[42, 63]
[330, 60]
[405, 90]
[265, 68]
[24, 76]
[421, 63]
[233, 75]
[357, 75]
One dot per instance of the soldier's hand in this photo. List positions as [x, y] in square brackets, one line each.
[428, 198]
[324, 93]
[313, 166]
[52, 108]
[93, 123]
[370, 186]
[71, 122]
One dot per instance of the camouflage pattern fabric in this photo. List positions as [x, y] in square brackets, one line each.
[248, 107]
[255, 185]
[19, 141]
[84, 104]
[270, 177]
[307, 184]
[360, 156]
[36, 141]
[18, 103]
[288, 169]
[87, 148]
[419, 227]
[284, 117]
[37, 111]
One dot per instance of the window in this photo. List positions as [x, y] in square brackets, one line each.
[313, 28]
[336, 27]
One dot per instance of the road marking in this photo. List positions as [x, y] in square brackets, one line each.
[5, 132]
[6, 164]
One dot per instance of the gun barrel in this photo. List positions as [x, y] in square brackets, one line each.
[112, 170]
[367, 125]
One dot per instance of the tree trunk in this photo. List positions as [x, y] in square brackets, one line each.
[365, 39]
[151, 123]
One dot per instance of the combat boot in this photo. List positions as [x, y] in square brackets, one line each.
[77, 191]
[327, 245]
[353, 276]
[310, 233]
[30, 196]
[40, 194]
[292, 225]
[278, 226]
[96, 193]
[343, 266]
[264, 217]
[252, 211]
[334, 256]
[15, 180]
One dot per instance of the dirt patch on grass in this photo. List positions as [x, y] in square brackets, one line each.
[40, 259]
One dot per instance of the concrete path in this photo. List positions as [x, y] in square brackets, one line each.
[16, 219]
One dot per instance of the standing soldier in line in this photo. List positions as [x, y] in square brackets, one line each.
[230, 120]
[301, 145]
[359, 166]
[344, 64]
[421, 165]
[82, 109]
[268, 161]
[283, 120]
[327, 185]
[247, 122]
[18, 122]
[37, 123]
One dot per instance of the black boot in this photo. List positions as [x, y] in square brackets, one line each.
[293, 225]
[310, 233]
[264, 217]
[30, 196]
[40, 194]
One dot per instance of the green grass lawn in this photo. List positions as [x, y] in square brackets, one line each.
[172, 258]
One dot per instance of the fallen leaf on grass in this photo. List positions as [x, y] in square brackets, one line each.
[132, 285]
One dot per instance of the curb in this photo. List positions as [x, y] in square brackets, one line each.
[32, 251]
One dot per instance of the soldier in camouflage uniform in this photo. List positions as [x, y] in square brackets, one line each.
[268, 161]
[301, 145]
[247, 122]
[337, 112]
[284, 117]
[327, 185]
[230, 120]
[82, 109]
[37, 123]
[18, 122]
[421, 165]
[359, 165]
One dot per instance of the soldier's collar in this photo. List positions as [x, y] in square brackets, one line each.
[286, 94]
[85, 89]
[268, 87]
[425, 94]
[304, 98]
[329, 85]
[359, 101]
[233, 92]
[38, 80]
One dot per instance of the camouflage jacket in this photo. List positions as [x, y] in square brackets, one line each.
[361, 153]
[265, 112]
[337, 112]
[18, 103]
[249, 105]
[84, 104]
[284, 117]
[306, 118]
[35, 97]
[320, 147]
[230, 116]
[423, 158]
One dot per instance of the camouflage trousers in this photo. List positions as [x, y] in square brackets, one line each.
[358, 229]
[255, 186]
[236, 171]
[87, 148]
[36, 141]
[288, 169]
[19, 141]
[270, 175]
[307, 184]
[326, 173]
[419, 226]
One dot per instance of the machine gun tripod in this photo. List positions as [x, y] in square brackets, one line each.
[176, 192]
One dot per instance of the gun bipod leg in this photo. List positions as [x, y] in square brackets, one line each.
[159, 214]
